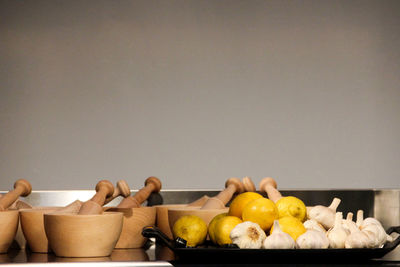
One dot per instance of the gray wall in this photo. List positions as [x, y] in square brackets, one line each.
[195, 92]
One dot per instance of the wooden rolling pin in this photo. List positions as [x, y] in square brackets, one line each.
[21, 188]
[232, 186]
[248, 184]
[268, 185]
[152, 184]
[104, 189]
[122, 189]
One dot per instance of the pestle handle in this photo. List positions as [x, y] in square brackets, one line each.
[21, 188]
[122, 189]
[199, 202]
[232, 186]
[73, 207]
[268, 185]
[152, 184]
[248, 184]
[104, 189]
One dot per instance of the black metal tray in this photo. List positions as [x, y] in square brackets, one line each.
[210, 253]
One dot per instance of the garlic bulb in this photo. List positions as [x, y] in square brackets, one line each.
[247, 235]
[312, 239]
[337, 234]
[279, 239]
[324, 215]
[371, 220]
[314, 225]
[356, 238]
[373, 228]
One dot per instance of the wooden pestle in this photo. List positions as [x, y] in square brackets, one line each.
[21, 188]
[232, 186]
[104, 189]
[152, 184]
[122, 189]
[199, 202]
[268, 185]
[248, 184]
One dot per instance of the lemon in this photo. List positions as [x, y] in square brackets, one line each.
[211, 226]
[191, 228]
[291, 225]
[238, 203]
[262, 211]
[291, 206]
[223, 228]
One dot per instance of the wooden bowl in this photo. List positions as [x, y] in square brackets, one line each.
[206, 214]
[32, 225]
[73, 235]
[134, 221]
[8, 228]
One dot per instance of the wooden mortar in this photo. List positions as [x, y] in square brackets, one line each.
[18, 205]
[135, 216]
[32, 225]
[134, 219]
[93, 235]
[8, 228]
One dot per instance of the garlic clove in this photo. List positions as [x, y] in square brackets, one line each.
[247, 235]
[312, 239]
[278, 239]
[314, 225]
[324, 215]
[337, 234]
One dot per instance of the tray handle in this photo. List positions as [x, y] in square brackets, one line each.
[396, 242]
[153, 231]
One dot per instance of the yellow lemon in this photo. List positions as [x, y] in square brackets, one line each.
[291, 225]
[291, 206]
[223, 228]
[237, 205]
[262, 211]
[191, 228]
[211, 226]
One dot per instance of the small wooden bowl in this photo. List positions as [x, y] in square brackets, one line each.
[206, 214]
[73, 235]
[8, 228]
[32, 225]
[134, 221]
